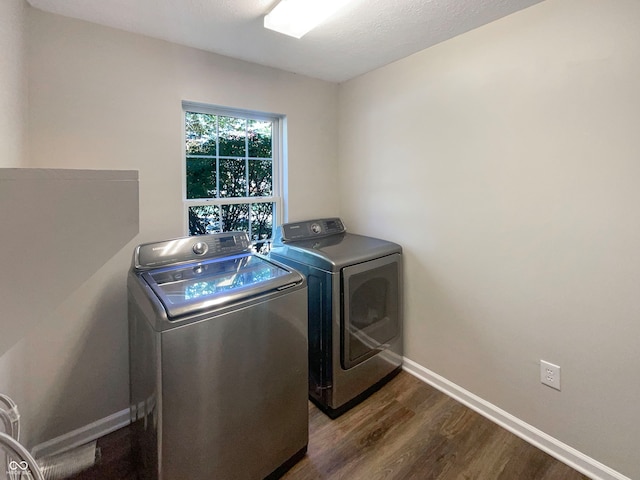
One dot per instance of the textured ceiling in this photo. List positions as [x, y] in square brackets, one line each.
[365, 35]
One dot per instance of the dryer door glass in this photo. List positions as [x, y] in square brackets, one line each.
[371, 308]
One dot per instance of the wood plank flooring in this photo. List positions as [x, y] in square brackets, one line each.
[409, 430]
[406, 431]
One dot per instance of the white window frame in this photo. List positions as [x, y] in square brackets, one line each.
[278, 159]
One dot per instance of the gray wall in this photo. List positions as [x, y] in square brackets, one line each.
[56, 256]
[99, 98]
[506, 162]
[13, 91]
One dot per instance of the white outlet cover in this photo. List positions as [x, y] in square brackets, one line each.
[550, 374]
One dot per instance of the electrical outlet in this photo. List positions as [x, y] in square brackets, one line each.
[550, 374]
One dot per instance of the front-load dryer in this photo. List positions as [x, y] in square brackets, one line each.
[355, 304]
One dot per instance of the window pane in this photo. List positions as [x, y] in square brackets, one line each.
[200, 133]
[233, 178]
[260, 178]
[235, 217]
[201, 178]
[259, 136]
[204, 219]
[233, 134]
[261, 221]
[230, 159]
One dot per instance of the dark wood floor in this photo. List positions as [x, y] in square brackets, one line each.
[407, 430]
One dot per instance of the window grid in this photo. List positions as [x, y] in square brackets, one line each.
[254, 217]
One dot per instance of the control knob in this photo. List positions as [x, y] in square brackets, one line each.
[200, 248]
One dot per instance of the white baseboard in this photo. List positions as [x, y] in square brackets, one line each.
[563, 452]
[82, 435]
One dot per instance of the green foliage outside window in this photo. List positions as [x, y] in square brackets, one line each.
[229, 157]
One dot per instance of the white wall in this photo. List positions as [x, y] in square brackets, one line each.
[104, 99]
[13, 92]
[506, 162]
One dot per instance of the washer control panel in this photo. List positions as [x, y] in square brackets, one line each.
[178, 250]
[312, 229]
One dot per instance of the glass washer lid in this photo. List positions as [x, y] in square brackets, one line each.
[215, 283]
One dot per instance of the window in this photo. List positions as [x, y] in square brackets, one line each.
[231, 175]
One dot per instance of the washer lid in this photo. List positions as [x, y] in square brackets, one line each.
[334, 252]
[208, 285]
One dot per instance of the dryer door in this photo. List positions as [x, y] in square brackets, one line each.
[371, 308]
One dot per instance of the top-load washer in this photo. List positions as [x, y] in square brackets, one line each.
[218, 354]
[355, 301]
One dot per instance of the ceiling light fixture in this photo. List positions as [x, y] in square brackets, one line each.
[297, 17]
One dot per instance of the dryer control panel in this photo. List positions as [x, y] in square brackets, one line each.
[312, 229]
